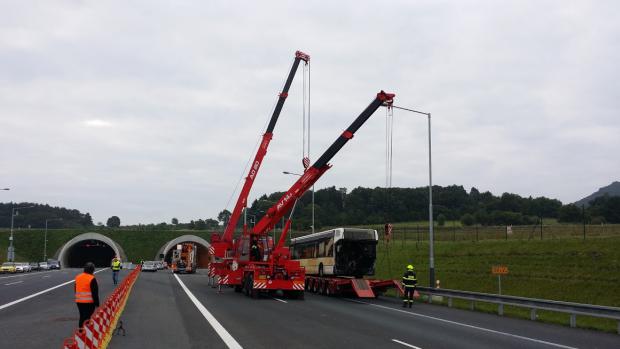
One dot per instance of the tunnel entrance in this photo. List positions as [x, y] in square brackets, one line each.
[202, 255]
[92, 250]
[89, 247]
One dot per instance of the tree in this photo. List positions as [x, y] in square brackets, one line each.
[87, 221]
[224, 216]
[441, 220]
[113, 222]
[200, 224]
[468, 219]
[211, 223]
[175, 221]
[570, 214]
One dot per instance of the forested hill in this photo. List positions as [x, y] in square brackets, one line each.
[335, 207]
[34, 216]
[611, 190]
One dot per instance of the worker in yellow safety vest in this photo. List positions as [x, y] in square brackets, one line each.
[409, 283]
[86, 293]
[116, 267]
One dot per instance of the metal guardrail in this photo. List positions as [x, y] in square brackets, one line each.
[533, 304]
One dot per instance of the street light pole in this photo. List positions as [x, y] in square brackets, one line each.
[431, 252]
[11, 251]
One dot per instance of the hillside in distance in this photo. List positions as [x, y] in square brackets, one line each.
[612, 190]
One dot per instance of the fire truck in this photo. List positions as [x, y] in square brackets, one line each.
[184, 258]
[272, 269]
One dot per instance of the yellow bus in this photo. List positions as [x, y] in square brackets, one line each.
[337, 252]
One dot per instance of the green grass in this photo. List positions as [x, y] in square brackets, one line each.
[570, 270]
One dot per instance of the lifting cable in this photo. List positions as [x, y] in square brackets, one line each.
[389, 132]
[305, 137]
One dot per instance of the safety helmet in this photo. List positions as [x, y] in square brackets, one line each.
[410, 267]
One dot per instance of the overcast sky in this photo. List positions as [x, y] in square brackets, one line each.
[150, 109]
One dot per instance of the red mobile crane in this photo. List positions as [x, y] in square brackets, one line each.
[222, 246]
[273, 269]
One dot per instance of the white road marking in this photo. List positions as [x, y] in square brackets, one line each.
[468, 326]
[27, 274]
[221, 331]
[405, 344]
[46, 276]
[279, 300]
[13, 283]
[40, 292]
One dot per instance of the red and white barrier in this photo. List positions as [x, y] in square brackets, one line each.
[97, 331]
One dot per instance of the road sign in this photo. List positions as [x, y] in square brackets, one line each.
[499, 270]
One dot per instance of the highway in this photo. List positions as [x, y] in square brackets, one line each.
[161, 314]
[170, 311]
[49, 315]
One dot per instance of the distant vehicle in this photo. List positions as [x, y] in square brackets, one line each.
[23, 267]
[44, 266]
[53, 264]
[160, 265]
[7, 267]
[149, 266]
[184, 258]
[35, 266]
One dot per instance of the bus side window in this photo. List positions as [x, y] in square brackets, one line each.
[329, 247]
[321, 249]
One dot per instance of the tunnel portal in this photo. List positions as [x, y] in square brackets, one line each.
[94, 251]
[89, 247]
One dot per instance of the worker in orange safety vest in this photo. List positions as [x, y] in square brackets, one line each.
[86, 293]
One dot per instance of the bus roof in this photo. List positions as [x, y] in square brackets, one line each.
[347, 233]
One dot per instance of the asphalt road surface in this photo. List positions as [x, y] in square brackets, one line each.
[168, 311]
[37, 309]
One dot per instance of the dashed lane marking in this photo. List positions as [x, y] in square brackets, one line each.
[279, 300]
[405, 344]
[467, 325]
[40, 292]
[13, 283]
[221, 331]
[28, 274]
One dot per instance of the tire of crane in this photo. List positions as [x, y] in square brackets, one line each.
[246, 285]
[253, 292]
[315, 286]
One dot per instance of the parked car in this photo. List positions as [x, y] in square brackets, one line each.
[35, 266]
[20, 268]
[7, 267]
[149, 266]
[53, 264]
[44, 266]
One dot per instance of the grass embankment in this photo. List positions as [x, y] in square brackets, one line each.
[570, 270]
[138, 245]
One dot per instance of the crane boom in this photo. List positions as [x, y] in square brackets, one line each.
[314, 172]
[262, 150]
